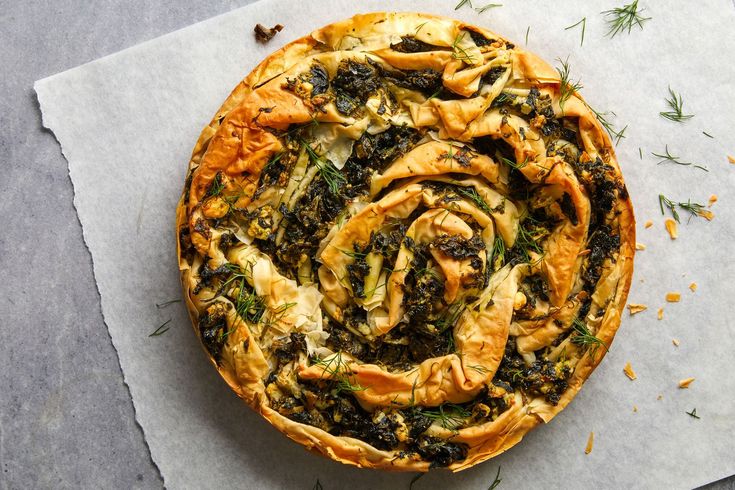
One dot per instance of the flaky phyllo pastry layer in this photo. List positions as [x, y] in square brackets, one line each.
[404, 243]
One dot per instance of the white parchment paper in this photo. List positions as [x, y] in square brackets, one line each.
[127, 124]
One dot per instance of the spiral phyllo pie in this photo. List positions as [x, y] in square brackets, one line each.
[405, 242]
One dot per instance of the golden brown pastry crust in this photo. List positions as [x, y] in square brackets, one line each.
[241, 139]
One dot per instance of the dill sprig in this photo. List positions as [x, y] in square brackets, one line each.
[584, 24]
[567, 88]
[707, 134]
[624, 18]
[676, 104]
[496, 481]
[167, 303]
[216, 186]
[472, 194]
[526, 241]
[694, 208]
[450, 316]
[584, 338]
[528, 29]
[488, 7]
[462, 3]
[497, 256]
[340, 373]
[513, 164]
[605, 123]
[459, 53]
[318, 485]
[693, 413]
[668, 157]
[161, 330]
[449, 415]
[273, 160]
[249, 305]
[331, 175]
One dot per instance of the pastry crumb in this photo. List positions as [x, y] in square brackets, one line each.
[648, 224]
[660, 314]
[628, 370]
[660, 397]
[635, 409]
[693, 287]
[675, 342]
[671, 228]
[684, 383]
[731, 159]
[707, 214]
[584, 253]
[639, 246]
[264, 34]
[712, 200]
[590, 443]
[636, 308]
[673, 297]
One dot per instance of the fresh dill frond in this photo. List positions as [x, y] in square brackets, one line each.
[448, 415]
[584, 338]
[694, 208]
[496, 481]
[488, 7]
[620, 135]
[676, 104]
[273, 160]
[609, 127]
[331, 175]
[707, 134]
[526, 241]
[480, 369]
[584, 24]
[513, 164]
[161, 330]
[497, 257]
[567, 88]
[449, 319]
[472, 194]
[340, 373]
[640, 152]
[462, 3]
[528, 29]
[216, 186]
[459, 53]
[624, 18]
[418, 28]
[248, 305]
[693, 413]
[167, 303]
[668, 157]
[317, 485]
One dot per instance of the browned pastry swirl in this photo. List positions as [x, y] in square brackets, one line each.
[404, 243]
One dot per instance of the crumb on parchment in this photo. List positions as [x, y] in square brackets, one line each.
[590, 443]
[660, 314]
[684, 383]
[628, 370]
[263, 34]
[672, 228]
[648, 224]
[675, 342]
[639, 246]
[693, 287]
[634, 308]
[673, 297]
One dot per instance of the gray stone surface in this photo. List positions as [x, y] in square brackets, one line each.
[66, 418]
